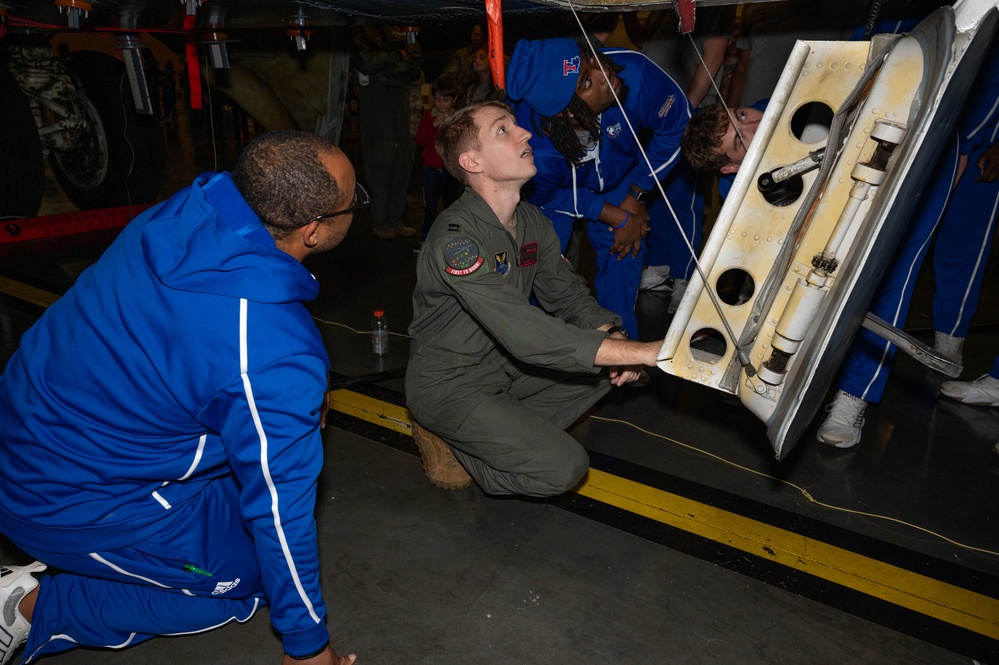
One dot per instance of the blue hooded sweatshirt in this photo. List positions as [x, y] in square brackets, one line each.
[183, 355]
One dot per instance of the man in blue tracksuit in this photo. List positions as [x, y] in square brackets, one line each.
[589, 163]
[160, 424]
[968, 225]
[965, 236]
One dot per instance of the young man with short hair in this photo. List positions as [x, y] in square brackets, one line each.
[716, 141]
[492, 377]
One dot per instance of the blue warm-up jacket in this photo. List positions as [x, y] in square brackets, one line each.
[183, 355]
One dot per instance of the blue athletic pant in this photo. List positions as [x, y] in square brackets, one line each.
[666, 242]
[867, 364]
[616, 282]
[962, 249]
[121, 597]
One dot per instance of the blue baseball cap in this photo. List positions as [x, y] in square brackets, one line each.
[544, 74]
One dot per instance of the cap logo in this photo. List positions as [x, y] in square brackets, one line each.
[570, 66]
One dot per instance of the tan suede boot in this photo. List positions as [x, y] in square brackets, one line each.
[439, 462]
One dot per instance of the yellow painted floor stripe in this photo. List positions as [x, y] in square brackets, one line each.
[372, 410]
[919, 593]
[27, 293]
[930, 597]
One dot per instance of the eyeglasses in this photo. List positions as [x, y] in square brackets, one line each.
[361, 201]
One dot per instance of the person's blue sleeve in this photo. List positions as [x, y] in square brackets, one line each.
[977, 120]
[552, 188]
[657, 105]
[269, 421]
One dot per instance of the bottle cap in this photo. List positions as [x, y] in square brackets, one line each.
[379, 312]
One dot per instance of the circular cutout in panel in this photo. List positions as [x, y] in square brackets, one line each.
[735, 286]
[707, 345]
[811, 122]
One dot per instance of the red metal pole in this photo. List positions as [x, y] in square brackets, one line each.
[494, 14]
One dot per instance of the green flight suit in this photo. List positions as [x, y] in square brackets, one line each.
[498, 378]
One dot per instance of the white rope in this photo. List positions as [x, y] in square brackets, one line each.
[740, 353]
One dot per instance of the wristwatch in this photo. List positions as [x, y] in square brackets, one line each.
[637, 194]
[618, 329]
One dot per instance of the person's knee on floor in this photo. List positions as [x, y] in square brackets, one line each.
[475, 326]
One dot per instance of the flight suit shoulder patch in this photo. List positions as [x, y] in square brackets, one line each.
[461, 256]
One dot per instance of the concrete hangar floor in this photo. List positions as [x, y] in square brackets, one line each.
[688, 543]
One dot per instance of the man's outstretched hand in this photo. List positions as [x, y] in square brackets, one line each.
[621, 375]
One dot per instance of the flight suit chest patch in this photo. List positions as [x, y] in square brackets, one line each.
[502, 263]
[528, 254]
[461, 256]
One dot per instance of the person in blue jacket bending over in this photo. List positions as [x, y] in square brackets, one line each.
[160, 424]
[589, 162]
[964, 242]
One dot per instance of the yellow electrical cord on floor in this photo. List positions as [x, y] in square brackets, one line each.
[805, 493]
[355, 330]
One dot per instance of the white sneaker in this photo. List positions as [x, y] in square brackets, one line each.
[846, 420]
[983, 391]
[16, 582]
[949, 346]
[679, 287]
[655, 278]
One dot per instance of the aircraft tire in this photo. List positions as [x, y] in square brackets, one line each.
[117, 158]
[22, 169]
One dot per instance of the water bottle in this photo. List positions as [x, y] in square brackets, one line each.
[379, 333]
